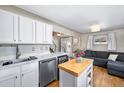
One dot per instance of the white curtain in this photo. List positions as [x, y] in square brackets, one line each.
[90, 42]
[111, 41]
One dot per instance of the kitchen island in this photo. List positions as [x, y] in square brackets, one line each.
[73, 74]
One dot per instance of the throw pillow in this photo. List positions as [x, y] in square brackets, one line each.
[113, 57]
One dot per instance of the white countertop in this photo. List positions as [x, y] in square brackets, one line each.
[40, 57]
[46, 56]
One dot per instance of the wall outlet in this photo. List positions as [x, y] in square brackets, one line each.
[46, 47]
[33, 48]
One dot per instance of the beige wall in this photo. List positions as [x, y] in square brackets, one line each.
[57, 27]
[119, 37]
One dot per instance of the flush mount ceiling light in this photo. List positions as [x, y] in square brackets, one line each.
[95, 28]
[58, 34]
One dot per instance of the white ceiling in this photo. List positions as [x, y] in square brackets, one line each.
[80, 18]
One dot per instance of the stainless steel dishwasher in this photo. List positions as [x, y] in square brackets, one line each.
[47, 71]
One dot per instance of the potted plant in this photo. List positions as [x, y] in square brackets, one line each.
[78, 54]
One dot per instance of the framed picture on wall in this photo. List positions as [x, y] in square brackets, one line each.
[100, 39]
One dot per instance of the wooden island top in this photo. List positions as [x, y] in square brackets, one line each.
[75, 68]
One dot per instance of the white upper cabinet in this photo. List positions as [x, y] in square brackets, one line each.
[19, 29]
[8, 27]
[40, 32]
[49, 34]
[44, 33]
[26, 30]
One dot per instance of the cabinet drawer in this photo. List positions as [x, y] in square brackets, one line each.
[30, 66]
[9, 71]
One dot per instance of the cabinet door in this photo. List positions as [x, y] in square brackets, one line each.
[40, 32]
[10, 81]
[8, 27]
[29, 75]
[49, 34]
[26, 28]
[81, 81]
[29, 79]
[10, 77]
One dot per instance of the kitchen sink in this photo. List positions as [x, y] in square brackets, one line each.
[9, 62]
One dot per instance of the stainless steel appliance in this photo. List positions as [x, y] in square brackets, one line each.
[61, 59]
[47, 71]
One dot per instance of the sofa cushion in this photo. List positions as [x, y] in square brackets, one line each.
[94, 54]
[116, 73]
[88, 53]
[100, 62]
[119, 66]
[101, 54]
[120, 57]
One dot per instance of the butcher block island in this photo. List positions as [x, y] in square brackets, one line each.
[74, 74]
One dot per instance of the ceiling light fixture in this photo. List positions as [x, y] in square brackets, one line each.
[95, 28]
[58, 34]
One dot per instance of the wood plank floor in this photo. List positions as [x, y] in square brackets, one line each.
[100, 79]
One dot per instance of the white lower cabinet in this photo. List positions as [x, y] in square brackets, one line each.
[29, 75]
[10, 81]
[21, 76]
[10, 77]
[29, 79]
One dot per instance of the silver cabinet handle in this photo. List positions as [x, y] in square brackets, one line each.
[22, 74]
[16, 77]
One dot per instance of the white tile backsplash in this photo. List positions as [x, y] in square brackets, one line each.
[9, 52]
[33, 49]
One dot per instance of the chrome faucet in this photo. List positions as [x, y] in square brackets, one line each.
[18, 52]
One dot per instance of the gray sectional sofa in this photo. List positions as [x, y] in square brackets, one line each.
[101, 59]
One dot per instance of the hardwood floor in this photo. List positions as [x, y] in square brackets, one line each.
[54, 84]
[100, 79]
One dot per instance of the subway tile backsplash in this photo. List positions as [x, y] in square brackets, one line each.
[7, 52]
[24, 49]
[27, 49]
